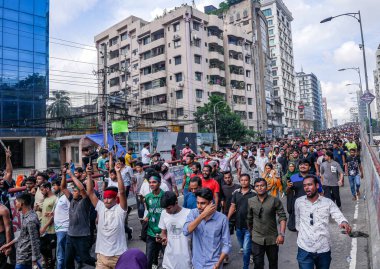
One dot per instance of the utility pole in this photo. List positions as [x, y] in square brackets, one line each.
[105, 98]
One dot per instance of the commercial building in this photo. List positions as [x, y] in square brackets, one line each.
[324, 113]
[24, 49]
[306, 119]
[311, 95]
[279, 20]
[329, 119]
[169, 67]
[376, 75]
[354, 114]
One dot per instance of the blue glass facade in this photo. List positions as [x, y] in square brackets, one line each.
[24, 65]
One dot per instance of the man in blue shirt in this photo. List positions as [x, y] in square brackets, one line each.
[339, 155]
[211, 235]
[190, 200]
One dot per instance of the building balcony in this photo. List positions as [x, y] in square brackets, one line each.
[152, 76]
[237, 48]
[217, 88]
[216, 55]
[235, 62]
[215, 39]
[216, 71]
[153, 92]
[238, 77]
[152, 60]
[151, 45]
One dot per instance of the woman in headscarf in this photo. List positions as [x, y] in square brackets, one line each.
[286, 178]
[274, 185]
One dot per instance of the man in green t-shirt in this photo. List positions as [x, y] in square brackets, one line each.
[47, 232]
[153, 206]
[187, 172]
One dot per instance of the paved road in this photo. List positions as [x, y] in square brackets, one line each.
[342, 254]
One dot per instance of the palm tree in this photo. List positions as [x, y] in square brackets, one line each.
[60, 104]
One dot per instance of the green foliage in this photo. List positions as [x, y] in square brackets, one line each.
[60, 104]
[224, 6]
[228, 124]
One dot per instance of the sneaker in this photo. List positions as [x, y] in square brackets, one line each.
[241, 251]
[354, 198]
[358, 194]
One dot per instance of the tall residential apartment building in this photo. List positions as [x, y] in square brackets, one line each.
[376, 75]
[279, 20]
[329, 119]
[24, 71]
[311, 95]
[168, 67]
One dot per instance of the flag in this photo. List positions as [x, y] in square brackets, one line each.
[120, 127]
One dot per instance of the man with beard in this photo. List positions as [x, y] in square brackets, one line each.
[209, 252]
[168, 178]
[281, 159]
[312, 160]
[39, 197]
[187, 173]
[47, 232]
[212, 184]
[313, 213]
[77, 240]
[197, 169]
[243, 165]
[261, 160]
[61, 222]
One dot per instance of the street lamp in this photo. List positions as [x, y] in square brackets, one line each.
[357, 16]
[216, 134]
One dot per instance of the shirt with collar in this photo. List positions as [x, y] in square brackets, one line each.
[315, 238]
[211, 238]
[264, 225]
[240, 200]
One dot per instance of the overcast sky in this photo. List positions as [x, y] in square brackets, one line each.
[318, 48]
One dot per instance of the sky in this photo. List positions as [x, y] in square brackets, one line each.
[318, 48]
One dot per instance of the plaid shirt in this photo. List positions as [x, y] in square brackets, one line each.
[28, 243]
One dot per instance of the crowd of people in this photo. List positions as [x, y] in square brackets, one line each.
[241, 189]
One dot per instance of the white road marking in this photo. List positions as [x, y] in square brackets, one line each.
[354, 242]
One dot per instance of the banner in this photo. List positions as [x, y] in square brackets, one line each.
[120, 127]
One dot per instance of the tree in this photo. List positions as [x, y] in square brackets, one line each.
[60, 104]
[228, 124]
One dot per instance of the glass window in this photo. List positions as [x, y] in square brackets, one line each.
[40, 8]
[270, 22]
[10, 40]
[178, 77]
[10, 14]
[26, 6]
[177, 43]
[270, 31]
[199, 93]
[26, 43]
[179, 94]
[197, 59]
[271, 42]
[124, 36]
[196, 25]
[267, 12]
[40, 21]
[13, 4]
[75, 154]
[180, 111]
[177, 60]
[39, 46]
[10, 54]
[176, 27]
[198, 76]
[26, 18]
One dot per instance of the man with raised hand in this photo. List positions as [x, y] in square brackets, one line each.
[110, 241]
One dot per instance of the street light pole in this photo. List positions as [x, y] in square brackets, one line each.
[215, 133]
[359, 19]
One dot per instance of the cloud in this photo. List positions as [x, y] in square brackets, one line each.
[63, 12]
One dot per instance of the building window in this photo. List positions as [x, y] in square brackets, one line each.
[146, 40]
[199, 93]
[179, 112]
[248, 73]
[176, 27]
[267, 12]
[238, 16]
[178, 77]
[179, 94]
[177, 60]
[270, 22]
[75, 154]
[177, 44]
[197, 59]
[197, 43]
[274, 73]
[250, 115]
[250, 101]
[124, 36]
[249, 87]
[271, 42]
[113, 41]
[274, 82]
[270, 32]
[196, 25]
[245, 13]
[198, 76]
[124, 50]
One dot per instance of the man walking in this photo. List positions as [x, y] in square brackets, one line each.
[168, 178]
[353, 167]
[262, 211]
[5, 236]
[331, 178]
[239, 209]
[190, 200]
[145, 154]
[209, 228]
[312, 223]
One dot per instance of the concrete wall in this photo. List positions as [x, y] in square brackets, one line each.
[371, 167]
[40, 154]
[28, 153]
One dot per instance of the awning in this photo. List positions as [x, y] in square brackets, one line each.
[98, 139]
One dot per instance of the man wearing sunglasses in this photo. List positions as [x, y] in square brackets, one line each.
[262, 212]
[312, 220]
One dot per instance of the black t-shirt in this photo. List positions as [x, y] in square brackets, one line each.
[79, 216]
[353, 165]
[227, 194]
[311, 159]
[241, 202]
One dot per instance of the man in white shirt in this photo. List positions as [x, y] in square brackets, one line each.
[110, 241]
[145, 155]
[312, 220]
[261, 160]
[61, 222]
[177, 252]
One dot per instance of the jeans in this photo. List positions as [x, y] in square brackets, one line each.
[140, 207]
[354, 182]
[152, 250]
[307, 260]
[245, 241]
[259, 252]
[332, 192]
[48, 243]
[61, 246]
[23, 266]
[78, 246]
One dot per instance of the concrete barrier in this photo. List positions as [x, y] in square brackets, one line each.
[371, 167]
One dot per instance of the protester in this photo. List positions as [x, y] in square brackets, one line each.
[190, 200]
[262, 211]
[173, 218]
[168, 178]
[228, 188]
[313, 213]
[239, 210]
[6, 236]
[129, 161]
[145, 155]
[39, 197]
[186, 151]
[212, 184]
[273, 181]
[354, 170]
[261, 160]
[211, 240]
[187, 173]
